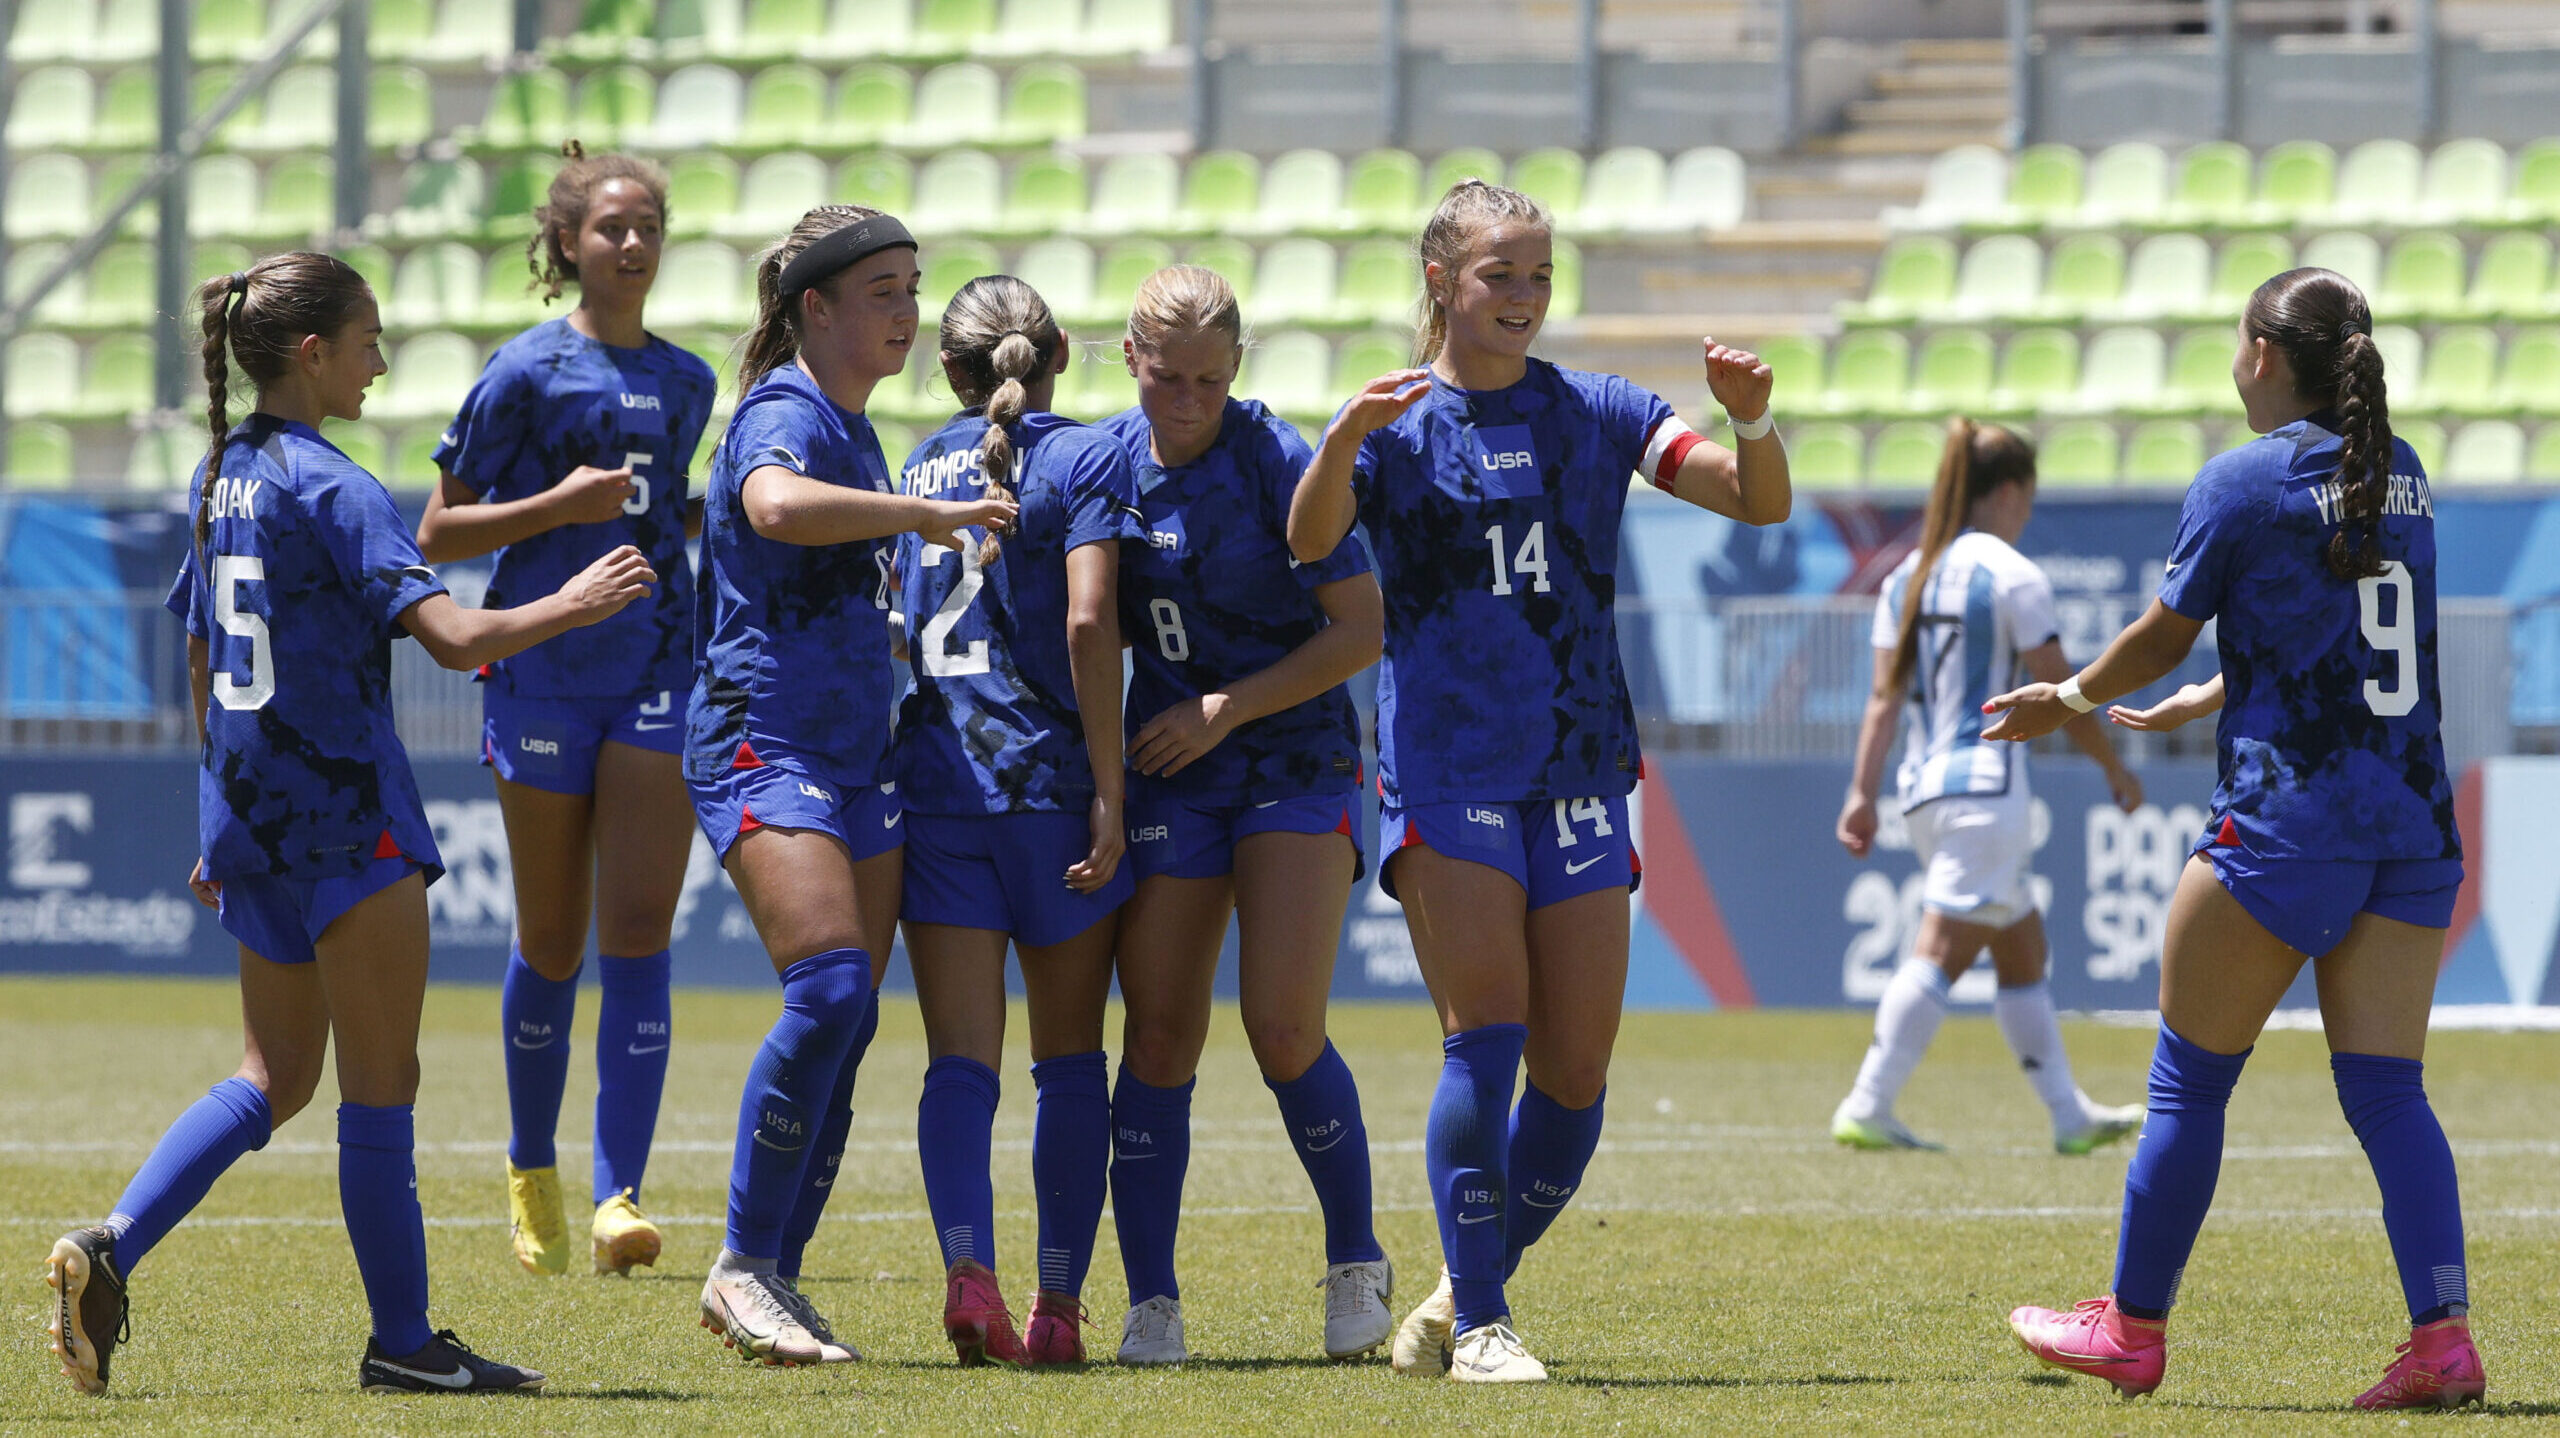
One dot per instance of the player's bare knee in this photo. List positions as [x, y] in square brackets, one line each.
[1573, 1085]
[632, 933]
[1160, 1060]
[553, 951]
[288, 1083]
[1284, 1048]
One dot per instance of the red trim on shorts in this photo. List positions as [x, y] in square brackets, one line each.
[387, 847]
[1635, 864]
[1345, 826]
[746, 757]
[2230, 835]
[1412, 834]
[748, 823]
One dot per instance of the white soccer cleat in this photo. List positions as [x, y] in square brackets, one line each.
[1424, 1339]
[1152, 1333]
[756, 1315]
[1356, 1316]
[1492, 1354]
[1882, 1131]
[2101, 1124]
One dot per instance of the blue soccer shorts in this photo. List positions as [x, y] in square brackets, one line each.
[1554, 849]
[2309, 903]
[280, 920]
[1006, 872]
[551, 744]
[1183, 839]
[867, 819]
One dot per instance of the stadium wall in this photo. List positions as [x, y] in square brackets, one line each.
[2339, 89]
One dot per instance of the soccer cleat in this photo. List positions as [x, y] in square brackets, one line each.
[1356, 1316]
[759, 1317]
[831, 1348]
[2436, 1368]
[976, 1320]
[1883, 1131]
[1425, 1338]
[624, 1237]
[2093, 1338]
[540, 1231]
[445, 1365]
[89, 1314]
[1492, 1354]
[1152, 1333]
[1057, 1329]
[2103, 1124]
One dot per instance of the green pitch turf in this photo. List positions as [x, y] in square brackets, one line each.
[1726, 1268]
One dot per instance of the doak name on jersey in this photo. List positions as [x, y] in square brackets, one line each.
[943, 471]
[2408, 494]
[234, 499]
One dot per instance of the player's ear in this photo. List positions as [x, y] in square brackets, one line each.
[1129, 355]
[1066, 352]
[310, 352]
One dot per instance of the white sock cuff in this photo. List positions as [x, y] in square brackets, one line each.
[2025, 991]
[1928, 975]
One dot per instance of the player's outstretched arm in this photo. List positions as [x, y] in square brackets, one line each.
[1856, 829]
[459, 525]
[2190, 703]
[1093, 649]
[462, 638]
[1323, 508]
[2143, 654]
[1748, 483]
[1354, 632]
[2045, 665]
[795, 509]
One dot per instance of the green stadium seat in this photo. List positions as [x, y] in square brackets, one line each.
[704, 194]
[2466, 183]
[374, 263]
[950, 264]
[2168, 276]
[874, 103]
[1127, 27]
[690, 29]
[1380, 282]
[700, 282]
[2199, 377]
[1062, 270]
[54, 106]
[2355, 254]
[506, 290]
[436, 284]
[211, 83]
[1953, 373]
[72, 302]
[610, 27]
[1289, 372]
[2381, 180]
[869, 27]
[400, 29]
[402, 108]
[1364, 357]
[2000, 277]
[781, 29]
[952, 27]
[2537, 183]
[2078, 453]
[120, 286]
[222, 195]
[2083, 276]
[1301, 191]
[430, 375]
[440, 197]
[1707, 188]
[58, 31]
[62, 182]
[39, 457]
[470, 30]
[2120, 371]
[2246, 262]
[1825, 456]
[44, 374]
[2211, 186]
[1917, 273]
[1383, 191]
[2404, 358]
[2048, 185]
[2514, 277]
[1905, 455]
[1105, 386]
[164, 457]
[879, 180]
[2298, 180]
[301, 112]
[616, 105]
[528, 110]
[413, 457]
[2462, 373]
[1464, 163]
[2486, 451]
[2542, 463]
[301, 199]
[1222, 191]
[1047, 195]
[2128, 183]
[1966, 185]
[1136, 194]
[2424, 436]
[1564, 300]
[128, 112]
[360, 441]
[785, 108]
[958, 192]
[2531, 384]
[1553, 177]
[960, 104]
[2040, 367]
[1124, 267]
[700, 105]
[777, 191]
[1035, 27]
[2164, 451]
[119, 381]
[1231, 258]
[1869, 369]
[2422, 276]
[127, 30]
[227, 29]
[117, 178]
[1295, 281]
[1794, 360]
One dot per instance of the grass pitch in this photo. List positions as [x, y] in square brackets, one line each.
[1725, 1268]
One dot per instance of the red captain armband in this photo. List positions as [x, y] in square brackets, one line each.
[1669, 444]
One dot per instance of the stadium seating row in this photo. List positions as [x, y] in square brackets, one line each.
[109, 32]
[60, 108]
[2424, 274]
[785, 106]
[2136, 185]
[2084, 453]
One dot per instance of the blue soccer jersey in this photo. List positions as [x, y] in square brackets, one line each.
[1212, 596]
[2329, 741]
[991, 727]
[1494, 518]
[791, 640]
[297, 592]
[550, 400]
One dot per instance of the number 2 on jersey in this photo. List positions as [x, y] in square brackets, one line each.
[2398, 638]
[940, 660]
[1531, 558]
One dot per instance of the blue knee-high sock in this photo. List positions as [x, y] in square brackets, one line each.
[826, 1156]
[535, 1014]
[632, 1029]
[2170, 1183]
[1550, 1147]
[1321, 1108]
[378, 1193]
[1463, 1148]
[1150, 1152]
[2386, 1104]
[823, 998]
[1070, 1162]
[955, 1138]
[206, 1140]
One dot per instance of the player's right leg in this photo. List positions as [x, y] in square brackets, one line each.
[1066, 985]
[2023, 1007]
[1965, 901]
[551, 858]
[959, 974]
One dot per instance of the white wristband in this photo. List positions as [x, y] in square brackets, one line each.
[2071, 697]
[1756, 429]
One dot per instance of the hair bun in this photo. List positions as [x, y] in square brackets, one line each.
[573, 149]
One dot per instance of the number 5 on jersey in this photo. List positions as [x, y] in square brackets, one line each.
[637, 502]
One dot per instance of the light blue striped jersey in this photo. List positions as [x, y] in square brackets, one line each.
[1985, 605]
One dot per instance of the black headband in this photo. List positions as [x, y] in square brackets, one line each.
[839, 249]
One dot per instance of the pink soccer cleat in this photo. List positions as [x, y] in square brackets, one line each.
[974, 1317]
[2093, 1338]
[2437, 1368]
[1057, 1329]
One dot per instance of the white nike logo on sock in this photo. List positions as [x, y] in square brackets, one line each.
[637, 1051]
[1479, 1218]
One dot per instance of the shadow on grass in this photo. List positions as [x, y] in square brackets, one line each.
[2493, 1410]
[625, 1395]
[1818, 1380]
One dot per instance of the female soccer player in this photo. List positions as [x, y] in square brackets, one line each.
[1492, 486]
[316, 849]
[1009, 758]
[787, 732]
[1963, 617]
[1243, 800]
[577, 438]
[2332, 834]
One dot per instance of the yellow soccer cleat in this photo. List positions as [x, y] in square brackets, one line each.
[624, 1237]
[541, 1231]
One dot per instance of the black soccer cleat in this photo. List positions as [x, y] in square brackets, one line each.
[89, 1317]
[445, 1365]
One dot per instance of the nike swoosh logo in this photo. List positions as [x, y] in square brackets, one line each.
[1479, 1218]
[637, 1051]
[520, 1043]
[459, 1378]
[1328, 1143]
[890, 821]
[644, 726]
[1268, 804]
[778, 1148]
[1585, 864]
[2089, 1360]
[1134, 1157]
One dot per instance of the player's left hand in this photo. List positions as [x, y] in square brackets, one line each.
[1739, 380]
[2028, 713]
[2125, 787]
[1168, 743]
[208, 892]
[1110, 841]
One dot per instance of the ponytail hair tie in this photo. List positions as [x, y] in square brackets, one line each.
[2350, 330]
[239, 282]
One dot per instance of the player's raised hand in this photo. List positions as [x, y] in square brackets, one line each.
[2028, 713]
[1381, 401]
[2190, 703]
[602, 588]
[950, 516]
[1739, 379]
[590, 495]
[1168, 743]
[1856, 830]
[1110, 841]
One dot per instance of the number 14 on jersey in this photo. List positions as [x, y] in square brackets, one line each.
[1529, 562]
